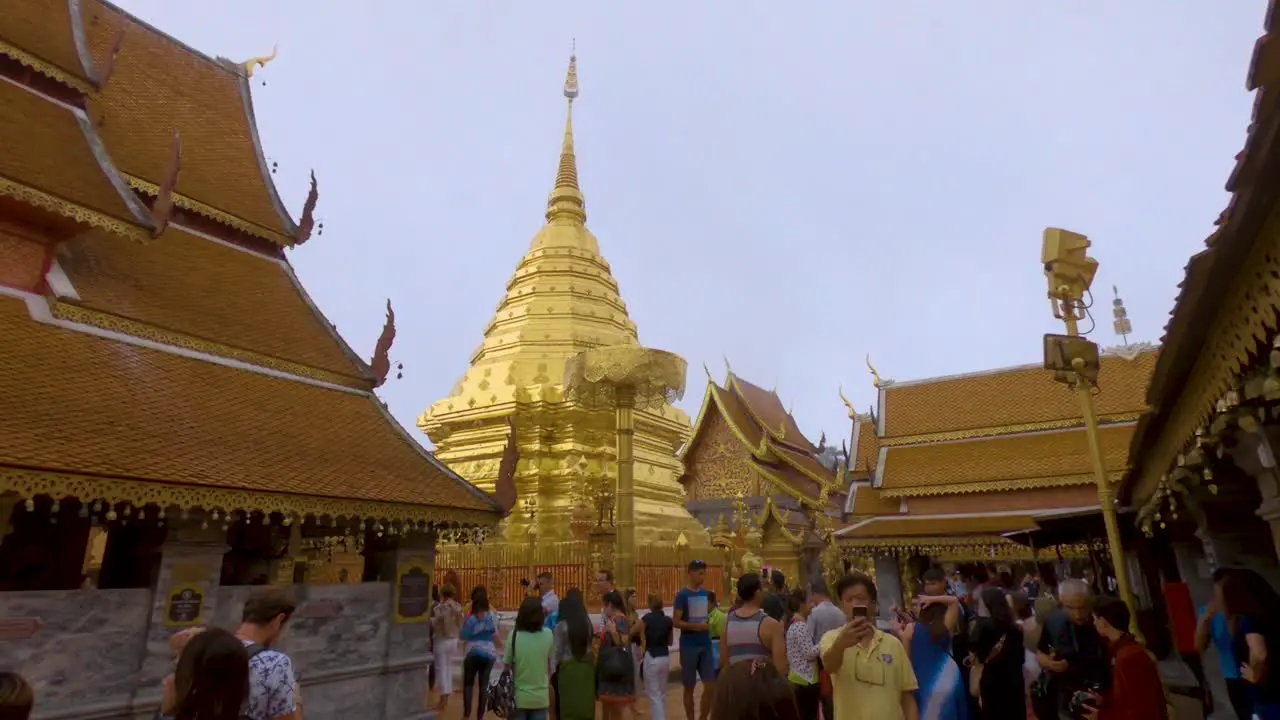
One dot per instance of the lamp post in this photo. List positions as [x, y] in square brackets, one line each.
[625, 378]
[1075, 361]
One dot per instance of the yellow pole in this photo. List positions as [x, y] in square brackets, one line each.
[625, 522]
[1106, 496]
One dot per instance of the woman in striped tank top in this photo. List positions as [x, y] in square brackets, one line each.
[749, 633]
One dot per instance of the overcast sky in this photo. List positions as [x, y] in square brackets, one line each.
[792, 186]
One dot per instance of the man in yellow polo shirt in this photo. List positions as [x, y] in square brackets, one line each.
[871, 676]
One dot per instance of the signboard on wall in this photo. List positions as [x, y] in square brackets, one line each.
[184, 603]
[184, 606]
[413, 592]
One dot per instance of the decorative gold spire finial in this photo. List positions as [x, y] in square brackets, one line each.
[848, 405]
[253, 64]
[566, 203]
[1121, 324]
[707, 370]
[728, 369]
[876, 381]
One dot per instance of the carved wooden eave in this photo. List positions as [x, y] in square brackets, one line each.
[1224, 315]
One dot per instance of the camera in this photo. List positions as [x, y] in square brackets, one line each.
[1084, 700]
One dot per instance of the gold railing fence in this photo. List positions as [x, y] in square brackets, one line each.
[500, 568]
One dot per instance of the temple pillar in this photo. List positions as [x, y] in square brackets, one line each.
[888, 584]
[283, 569]
[185, 595]
[412, 564]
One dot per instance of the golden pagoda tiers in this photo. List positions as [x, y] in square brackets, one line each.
[983, 467]
[178, 420]
[748, 462]
[561, 301]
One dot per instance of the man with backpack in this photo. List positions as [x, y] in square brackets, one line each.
[273, 688]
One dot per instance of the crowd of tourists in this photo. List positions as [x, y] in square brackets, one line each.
[968, 648]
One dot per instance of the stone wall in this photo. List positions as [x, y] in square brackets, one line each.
[86, 658]
[81, 649]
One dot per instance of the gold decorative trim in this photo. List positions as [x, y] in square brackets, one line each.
[140, 493]
[996, 485]
[1243, 325]
[106, 321]
[959, 548]
[1000, 430]
[79, 213]
[823, 482]
[44, 68]
[212, 213]
[771, 511]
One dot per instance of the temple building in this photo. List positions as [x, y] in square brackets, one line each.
[749, 466]
[1203, 473]
[561, 301]
[982, 467]
[178, 420]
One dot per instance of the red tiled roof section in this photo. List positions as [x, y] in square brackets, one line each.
[78, 403]
[804, 463]
[159, 86]
[43, 28]
[738, 415]
[767, 409]
[51, 153]
[1010, 397]
[195, 286]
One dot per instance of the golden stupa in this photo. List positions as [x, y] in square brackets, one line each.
[561, 301]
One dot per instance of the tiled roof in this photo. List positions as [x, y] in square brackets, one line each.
[77, 403]
[738, 415]
[768, 412]
[867, 453]
[868, 500]
[43, 28]
[1048, 458]
[195, 286]
[1009, 397]
[159, 86]
[903, 527]
[53, 154]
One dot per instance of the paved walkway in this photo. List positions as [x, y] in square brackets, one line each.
[675, 707]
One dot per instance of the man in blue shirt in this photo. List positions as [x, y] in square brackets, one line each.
[691, 612]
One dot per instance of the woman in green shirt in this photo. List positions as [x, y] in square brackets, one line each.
[529, 654]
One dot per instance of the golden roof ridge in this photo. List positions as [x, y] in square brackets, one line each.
[566, 203]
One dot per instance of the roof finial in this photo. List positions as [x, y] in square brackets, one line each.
[848, 405]
[252, 64]
[566, 202]
[728, 369]
[1121, 325]
[875, 376]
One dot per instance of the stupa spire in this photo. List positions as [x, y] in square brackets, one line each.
[566, 205]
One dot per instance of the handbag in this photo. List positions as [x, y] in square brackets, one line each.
[501, 697]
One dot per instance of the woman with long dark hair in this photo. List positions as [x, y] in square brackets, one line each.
[1250, 605]
[530, 651]
[575, 669]
[942, 694]
[616, 679]
[479, 632]
[996, 649]
[754, 690]
[802, 655]
[212, 678]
